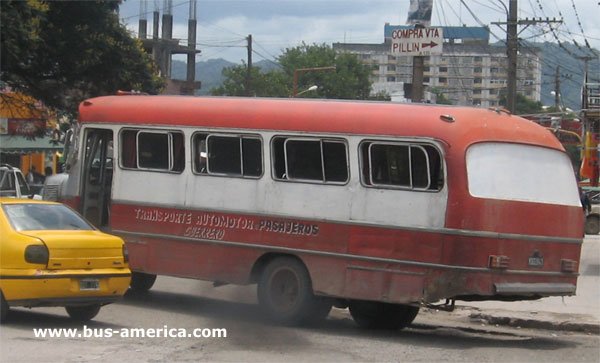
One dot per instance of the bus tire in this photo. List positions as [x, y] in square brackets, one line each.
[592, 224]
[379, 315]
[83, 313]
[3, 308]
[141, 282]
[285, 293]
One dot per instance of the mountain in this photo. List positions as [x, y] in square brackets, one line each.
[565, 56]
[571, 72]
[210, 71]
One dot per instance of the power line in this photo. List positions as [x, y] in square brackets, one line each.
[580, 26]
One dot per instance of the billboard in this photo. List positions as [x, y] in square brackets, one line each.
[417, 42]
[419, 12]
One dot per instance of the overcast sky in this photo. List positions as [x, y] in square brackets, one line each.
[276, 25]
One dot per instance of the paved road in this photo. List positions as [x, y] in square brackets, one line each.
[188, 304]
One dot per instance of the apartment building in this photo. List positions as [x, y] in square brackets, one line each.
[470, 70]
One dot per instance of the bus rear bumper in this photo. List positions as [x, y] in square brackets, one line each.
[535, 289]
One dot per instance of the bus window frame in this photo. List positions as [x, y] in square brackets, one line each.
[315, 138]
[169, 133]
[409, 143]
[240, 137]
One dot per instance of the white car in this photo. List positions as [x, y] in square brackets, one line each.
[592, 220]
[13, 183]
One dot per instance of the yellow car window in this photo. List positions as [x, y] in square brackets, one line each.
[29, 217]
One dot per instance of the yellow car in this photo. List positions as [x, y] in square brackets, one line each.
[50, 256]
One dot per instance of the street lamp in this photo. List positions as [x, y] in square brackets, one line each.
[311, 88]
[557, 100]
[305, 70]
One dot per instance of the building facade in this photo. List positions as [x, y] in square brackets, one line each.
[470, 70]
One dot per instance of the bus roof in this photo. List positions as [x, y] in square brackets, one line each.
[454, 125]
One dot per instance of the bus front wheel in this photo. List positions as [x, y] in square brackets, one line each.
[285, 293]
[378, 315]
[141, 282]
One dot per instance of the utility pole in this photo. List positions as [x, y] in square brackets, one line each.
[557, 88]
[585, 60]
[512, 48]
[417, 79]
[417, 89]
[249, 68]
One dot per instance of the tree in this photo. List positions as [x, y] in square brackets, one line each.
[270, 84]
[63, 52]
[441, 98]
[524, 105]
[350, 79]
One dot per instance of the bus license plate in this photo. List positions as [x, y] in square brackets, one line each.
[89, 284]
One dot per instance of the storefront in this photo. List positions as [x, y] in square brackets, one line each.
[26, 142]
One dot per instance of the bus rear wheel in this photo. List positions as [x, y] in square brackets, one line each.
[285, 293]
[141, 282]
[378, 315]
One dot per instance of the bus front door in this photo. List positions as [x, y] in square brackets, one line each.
[97, 176]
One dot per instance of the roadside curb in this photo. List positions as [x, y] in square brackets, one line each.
[546, 321]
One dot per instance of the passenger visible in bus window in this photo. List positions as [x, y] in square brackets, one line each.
[389, 165]
[413, 166]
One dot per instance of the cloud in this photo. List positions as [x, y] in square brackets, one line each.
[276, 25]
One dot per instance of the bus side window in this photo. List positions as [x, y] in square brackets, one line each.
[401, 165]
[278, 154]
[227, 155]
[200, 155]
[310, 159]
[153, 150]
[129, 148]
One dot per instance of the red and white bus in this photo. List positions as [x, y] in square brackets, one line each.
[381, 207]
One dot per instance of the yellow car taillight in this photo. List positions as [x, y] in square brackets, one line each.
[125, 254]
[37, 254]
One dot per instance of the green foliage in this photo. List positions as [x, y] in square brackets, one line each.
[350, 79]
[61, 52]
[523, 105]
[271, 84]
[440, 97]
[380, 96]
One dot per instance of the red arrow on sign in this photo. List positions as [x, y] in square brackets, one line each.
[430, 44]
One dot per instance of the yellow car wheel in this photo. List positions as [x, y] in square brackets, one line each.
[3, 308]
[142, 282]
[83, 313]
